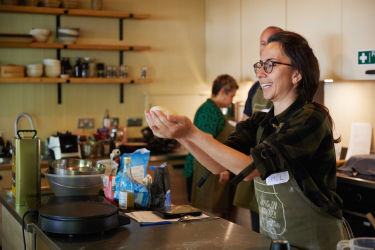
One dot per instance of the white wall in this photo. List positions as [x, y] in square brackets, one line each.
[335, 29]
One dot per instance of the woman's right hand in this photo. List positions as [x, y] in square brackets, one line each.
[174, 127]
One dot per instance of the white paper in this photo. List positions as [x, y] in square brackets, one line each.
[360, 139]
[277, 178]
[338, 149]
[149, 216]
[138, 172]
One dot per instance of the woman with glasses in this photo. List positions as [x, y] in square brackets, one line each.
[289, 151]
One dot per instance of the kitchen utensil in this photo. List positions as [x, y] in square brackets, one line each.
[279, 245]
[75, 185]
[87, 149]
[25, 164]
[75, 167]
[12, 71]
[357, 244]
[80, 217]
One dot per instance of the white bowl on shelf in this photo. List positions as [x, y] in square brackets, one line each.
[40, 38]
[34, 72]
[68, 39]
[52, 71]
[42, 32]
[51, 62]
[64, 76]
[68, 31]
[34, 66]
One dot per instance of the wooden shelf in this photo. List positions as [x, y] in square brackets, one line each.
[71, 12]
[73, 80]
[73, 46]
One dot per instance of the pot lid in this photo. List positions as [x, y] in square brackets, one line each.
[77, 210]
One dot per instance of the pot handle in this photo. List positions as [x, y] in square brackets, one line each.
[123, 219]
[16, 123]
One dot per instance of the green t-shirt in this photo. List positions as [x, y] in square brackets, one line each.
[210, 120]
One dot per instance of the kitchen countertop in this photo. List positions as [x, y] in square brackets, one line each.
[204, 234]
[362, 180]
[178, 154]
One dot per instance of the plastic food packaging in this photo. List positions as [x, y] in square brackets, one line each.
[138, 164]
[160, 189]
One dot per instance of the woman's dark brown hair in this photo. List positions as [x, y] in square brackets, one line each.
[302, 57]
[224, 81]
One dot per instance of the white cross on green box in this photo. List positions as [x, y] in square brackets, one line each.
[366, 57]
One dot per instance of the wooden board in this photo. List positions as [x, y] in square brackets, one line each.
[31, 10]
[31, 45]
[71, 12]
[73, 80]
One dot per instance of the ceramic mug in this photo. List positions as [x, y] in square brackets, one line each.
[357, 244]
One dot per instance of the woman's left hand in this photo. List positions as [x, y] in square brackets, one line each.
[224, 177]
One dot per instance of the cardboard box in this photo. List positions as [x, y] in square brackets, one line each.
[12, 71]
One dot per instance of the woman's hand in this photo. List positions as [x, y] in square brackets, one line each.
[224, 177]
[174, 127]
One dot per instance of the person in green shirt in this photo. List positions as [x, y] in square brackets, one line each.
[210, 120]
[289, 151]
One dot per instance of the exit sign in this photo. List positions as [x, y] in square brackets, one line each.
[366, 57]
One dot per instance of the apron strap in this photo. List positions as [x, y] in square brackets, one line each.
[236, 180]
[204, 178]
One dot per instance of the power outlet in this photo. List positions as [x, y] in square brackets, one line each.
[134, 121]
[86, 123]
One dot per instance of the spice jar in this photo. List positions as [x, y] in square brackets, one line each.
[100, 70]
[109, 71]
[85, 70]
[114, 72]
[144, 72]
[124, 71]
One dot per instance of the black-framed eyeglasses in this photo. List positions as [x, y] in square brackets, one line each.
[268, 65]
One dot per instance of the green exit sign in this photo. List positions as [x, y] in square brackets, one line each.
[366, 57]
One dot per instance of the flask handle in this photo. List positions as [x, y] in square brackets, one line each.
[16, 123]
[18, 133]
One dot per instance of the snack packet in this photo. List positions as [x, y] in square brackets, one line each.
[160, 189]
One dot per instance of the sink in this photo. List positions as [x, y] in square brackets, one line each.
[6, 160]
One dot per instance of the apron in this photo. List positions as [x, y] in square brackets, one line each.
[212, 197]
[286, 213]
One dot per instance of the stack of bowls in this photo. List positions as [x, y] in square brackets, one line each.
[34, 70]
[51, 3]
[68, 35]
[75, 177]
[52, 67]
[40, 35]
[70, 4]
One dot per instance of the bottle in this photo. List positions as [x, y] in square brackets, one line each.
[100, 70]
[77, 68]
[68, 67]
[63, 66]
[144, 72]
[2, 145]
[126, 188]
[85, 70]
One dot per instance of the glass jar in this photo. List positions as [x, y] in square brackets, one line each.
[100, 70]
[109, 71]
[85, 70]
[124, 71]
[144, 72]
[77, 68]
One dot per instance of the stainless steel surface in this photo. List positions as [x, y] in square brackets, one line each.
[73, 185]
[75, 167]
[87, 149]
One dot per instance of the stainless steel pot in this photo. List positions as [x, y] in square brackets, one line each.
[87, 149]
